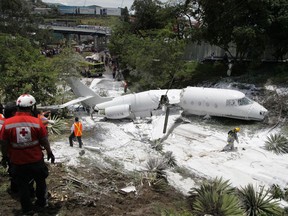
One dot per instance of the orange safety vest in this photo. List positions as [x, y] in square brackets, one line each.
[78, 129]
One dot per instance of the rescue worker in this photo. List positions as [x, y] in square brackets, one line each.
[23, 137]
[1, 108]
[76, 131]
[9, 111]
[125, 84]
[232, 136]
[43, 118]
[2, 118]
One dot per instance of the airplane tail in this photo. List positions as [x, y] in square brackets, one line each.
[81, 90]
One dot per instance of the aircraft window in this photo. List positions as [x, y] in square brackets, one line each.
[244, 101]
[231, 102]
[215, 105]
[192, 102]
[199, 103]
[184, 102]
[207, 104]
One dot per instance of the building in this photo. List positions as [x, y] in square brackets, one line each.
[89, 10]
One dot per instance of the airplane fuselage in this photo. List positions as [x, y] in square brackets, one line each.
[136, 105]
[220, 102]
[193, 100]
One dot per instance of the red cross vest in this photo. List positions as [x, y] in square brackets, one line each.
[78, 129]
[2, 119]
[23, 133]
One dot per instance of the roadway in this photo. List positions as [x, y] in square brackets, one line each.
[97, 30]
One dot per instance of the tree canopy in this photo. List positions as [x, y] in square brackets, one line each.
[24, 70]
[148, 47]
[251, 26]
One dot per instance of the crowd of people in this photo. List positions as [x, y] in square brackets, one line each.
[50, 52]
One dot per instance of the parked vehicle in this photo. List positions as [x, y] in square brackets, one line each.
[92, 69]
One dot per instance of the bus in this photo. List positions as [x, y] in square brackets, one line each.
[92, 69]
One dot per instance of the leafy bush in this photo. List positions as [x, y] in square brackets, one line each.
[170, 159]
[215, 198]
[258, 203]
[276, 192]
[277, 144]
[156, 165]
[57, 127]
[156, 173]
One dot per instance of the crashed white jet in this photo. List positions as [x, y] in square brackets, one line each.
[192, 100]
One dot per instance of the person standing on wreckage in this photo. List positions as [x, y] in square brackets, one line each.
[76, 132]
[232, 136]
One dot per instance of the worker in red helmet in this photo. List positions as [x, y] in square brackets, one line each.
[23, 137]
[9, 111]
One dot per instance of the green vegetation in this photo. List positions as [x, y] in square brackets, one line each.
[279, 193]
[277, 143]
[149, 47]
[217, 197]
[260, 202]
[24, 70]
[58, 126]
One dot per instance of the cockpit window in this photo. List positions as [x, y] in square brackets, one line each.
[231, 102]
[244, 101]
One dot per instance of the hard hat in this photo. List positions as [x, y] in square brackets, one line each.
[25, 100]
[237, 129]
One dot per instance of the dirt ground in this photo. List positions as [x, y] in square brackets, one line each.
[94, 191]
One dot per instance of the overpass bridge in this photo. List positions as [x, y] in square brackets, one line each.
[100, 34]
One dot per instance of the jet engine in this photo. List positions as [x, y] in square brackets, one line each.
[116, 112]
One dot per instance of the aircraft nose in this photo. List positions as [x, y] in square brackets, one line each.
[257, 112]
[263, 112]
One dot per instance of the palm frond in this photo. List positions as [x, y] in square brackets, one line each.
[277, 144]
[170, 159]
[258, 202]
[215, 198]
[58, 125]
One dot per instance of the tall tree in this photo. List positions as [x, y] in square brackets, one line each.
[24, 70]
[278, 30]
[15, 17]
[242, 23]
[146, 14]
[148, 47]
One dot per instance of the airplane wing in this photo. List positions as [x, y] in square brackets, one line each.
[77, 100]
[69, 103]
